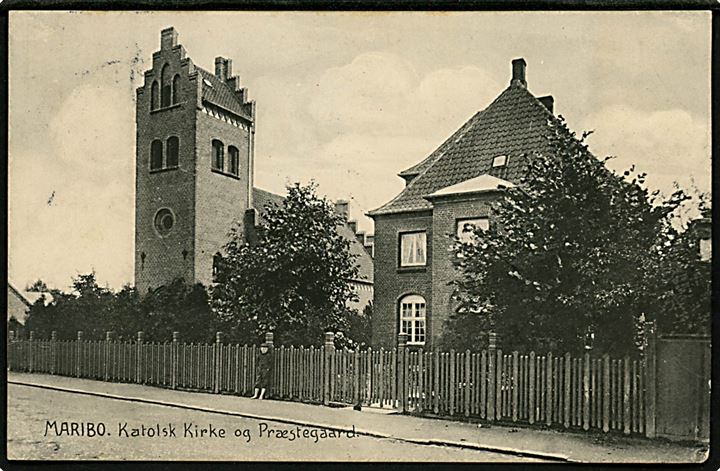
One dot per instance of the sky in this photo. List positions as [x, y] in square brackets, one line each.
[346, 99]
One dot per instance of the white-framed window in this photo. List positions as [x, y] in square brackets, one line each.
[413, 249]
[412, 318]
[464, 228]
[499, 161]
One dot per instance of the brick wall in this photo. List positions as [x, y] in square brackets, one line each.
[220, 199]
[446, 212]
[173, 189]
[391, 282]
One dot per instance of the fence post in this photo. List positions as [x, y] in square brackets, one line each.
[31, 352]
[174, 360]
[108, 339]
[356, 378]
[401, 370]
[217, 360]
[606, 393]
[650, 377]
[492, 347]
[138, 363]
[78, 353]
[328, 353]
[53, 345]
[586, 391]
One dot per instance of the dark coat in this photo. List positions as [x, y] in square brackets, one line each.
[264, 370]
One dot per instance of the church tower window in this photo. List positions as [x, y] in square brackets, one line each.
[176, 89]
[154, 90]
[234, 160]
[156, 157]
[173, 150]
[217, 155]
[165, 86]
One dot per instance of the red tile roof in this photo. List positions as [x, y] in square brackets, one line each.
[516, 123]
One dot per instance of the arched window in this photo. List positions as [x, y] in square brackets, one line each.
[173, 148]
[154, 95]
[412, 318]
[165, 86]
[156, 157]
[233, 160]
[217, 154]
[176, 89]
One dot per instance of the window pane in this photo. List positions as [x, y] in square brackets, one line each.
[465, 228]
[154, 91]
[156, 159]
[176, 89]
[233, 166]
[217, 158]
[165, 86]
[412, 249]
[172, 151]
[419, 331]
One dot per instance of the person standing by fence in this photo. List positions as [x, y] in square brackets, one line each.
[263, 375]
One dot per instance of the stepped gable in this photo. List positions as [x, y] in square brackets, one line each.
[220, 94]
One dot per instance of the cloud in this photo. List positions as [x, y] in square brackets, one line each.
[72, 209]
[670, 145]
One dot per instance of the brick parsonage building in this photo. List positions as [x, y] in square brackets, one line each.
[445, 193]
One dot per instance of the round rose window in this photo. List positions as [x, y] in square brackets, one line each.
[164, 221]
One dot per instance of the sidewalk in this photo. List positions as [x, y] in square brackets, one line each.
[545, 444]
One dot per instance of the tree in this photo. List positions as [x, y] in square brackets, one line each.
[565, 256]
[681, 286]
[96, 310]
[294, 280]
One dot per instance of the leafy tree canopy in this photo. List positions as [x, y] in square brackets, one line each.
[573, 249]
[294, 279]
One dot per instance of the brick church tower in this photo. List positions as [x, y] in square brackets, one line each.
[194, 165]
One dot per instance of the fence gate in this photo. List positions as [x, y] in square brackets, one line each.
[683, 387]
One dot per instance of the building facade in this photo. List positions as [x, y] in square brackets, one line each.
[195, 170]
[445, 195]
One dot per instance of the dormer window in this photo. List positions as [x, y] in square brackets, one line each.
[499, 161]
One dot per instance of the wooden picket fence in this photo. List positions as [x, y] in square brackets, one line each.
[582, 392]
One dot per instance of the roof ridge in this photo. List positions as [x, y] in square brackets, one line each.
[511, 123]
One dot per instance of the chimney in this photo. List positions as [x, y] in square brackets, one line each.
[341, 207]
[168, 38]
[548, 101]
[353, 226]
[518, 72]
[223, 68]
